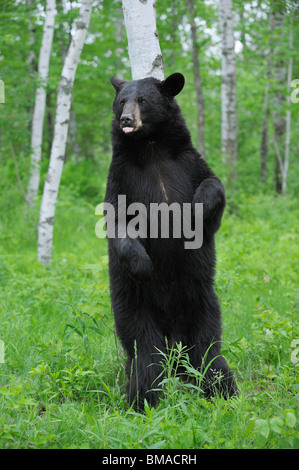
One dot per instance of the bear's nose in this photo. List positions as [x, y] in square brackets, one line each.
[126, 120]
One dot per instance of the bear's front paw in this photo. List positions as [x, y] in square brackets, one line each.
[132, 256]
[210, 192]
[135, 260]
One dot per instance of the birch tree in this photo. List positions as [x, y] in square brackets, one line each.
[266, 109]
[31, 29]
[282, 75]
[197, 80]
[143, 41]
[265, 125]
[40, 102]
[64, 100]
[285, 164]
[279, 80]
[229, 121]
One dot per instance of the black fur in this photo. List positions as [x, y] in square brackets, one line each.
[158, 288]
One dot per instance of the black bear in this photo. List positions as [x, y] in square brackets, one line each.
[161, 292]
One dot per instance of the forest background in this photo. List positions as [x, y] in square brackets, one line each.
[61, 367]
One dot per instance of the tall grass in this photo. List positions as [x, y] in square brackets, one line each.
[62, 384]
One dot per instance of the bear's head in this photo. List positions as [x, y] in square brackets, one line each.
[143, 106]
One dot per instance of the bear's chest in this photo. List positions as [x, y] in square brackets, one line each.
[158, 180]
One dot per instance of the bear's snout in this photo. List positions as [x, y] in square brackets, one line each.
[127, 120]
[130, 119]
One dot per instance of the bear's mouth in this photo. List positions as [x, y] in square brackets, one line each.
[130, 129]
[127, 130]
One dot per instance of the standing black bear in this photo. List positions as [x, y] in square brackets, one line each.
[161, 292]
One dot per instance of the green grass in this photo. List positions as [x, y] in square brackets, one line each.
[62, 384]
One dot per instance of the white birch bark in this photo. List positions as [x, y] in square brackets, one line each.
[64, 100]
[197, 80]
[279, 95]
[229, 120]
[31, 28]
[288, 118]
[283, 160]
[40, 102]
[143, 41]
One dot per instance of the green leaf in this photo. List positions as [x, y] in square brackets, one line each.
[27, 401]
[290, 419]
[262, 427]
[276, 424]
[73, 328]
[93, 319]
[96, 329]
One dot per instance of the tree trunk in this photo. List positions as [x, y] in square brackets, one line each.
[265, 125]
[229, 121]
[64, 100]
[72, 135]
[32, 32]
[279, 99]
[288, 117]
[143, 41]
[119, 51]
[197, 79]
[282, 160]
[264, 139]
[40, 103]
[49, 118]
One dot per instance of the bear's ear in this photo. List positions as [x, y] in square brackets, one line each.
[117, 83]
[173, 84]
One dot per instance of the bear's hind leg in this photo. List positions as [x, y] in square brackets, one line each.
[142, 373]
[142, 344]
[219, 380]
[217, 376]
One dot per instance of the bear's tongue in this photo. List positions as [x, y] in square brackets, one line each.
[128, 129]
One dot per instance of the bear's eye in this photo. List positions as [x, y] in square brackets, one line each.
[141, 100]
[122, 102]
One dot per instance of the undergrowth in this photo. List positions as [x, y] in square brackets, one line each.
[62, 380]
